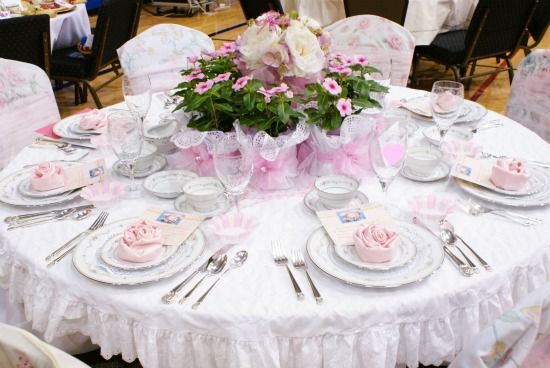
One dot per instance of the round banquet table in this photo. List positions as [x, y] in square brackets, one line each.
[252, 318]
[425, 18]
[67, 29]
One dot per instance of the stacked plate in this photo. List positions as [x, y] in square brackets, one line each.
[15, 189]
[470, 113]
[69, 129]
[96, 257]
[419, 255]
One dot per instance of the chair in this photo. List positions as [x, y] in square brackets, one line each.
[394, 10]
[518, 338]
[529, 101]
[496, 30]
[255, 8]
[161, 52]
[117, 22]
[377, 38]
[538, 25]
[26, 39]
[27, 103]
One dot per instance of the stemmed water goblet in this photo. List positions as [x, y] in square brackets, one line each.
[126, 138]
[446, 103]
[137, 95]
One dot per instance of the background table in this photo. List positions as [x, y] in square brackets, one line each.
[67, 29]
[252, 318]
[425, 18]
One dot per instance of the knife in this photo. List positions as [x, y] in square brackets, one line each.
[28, 216]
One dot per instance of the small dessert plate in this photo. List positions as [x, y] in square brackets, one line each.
[182, 205]
[406, 251]
[157, 163]
[25, 188]
[441, 171]
[314, 204]
[168, 184]
[432, 134]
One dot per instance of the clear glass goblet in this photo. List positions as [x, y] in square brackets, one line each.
[137, 94]
[446, 103]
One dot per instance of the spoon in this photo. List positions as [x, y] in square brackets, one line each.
[450, 228]
[448, 236]
[238, 259]
[76, 216]
[213, 268]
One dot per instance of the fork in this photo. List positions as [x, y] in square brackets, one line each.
[60, 253]
[475, 209]
[299, 263]
[280, 258]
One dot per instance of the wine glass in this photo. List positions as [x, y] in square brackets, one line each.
[387, 152]
[383, 77]
[137, 94]
[126, 138]
[446, 102]
[233, 165]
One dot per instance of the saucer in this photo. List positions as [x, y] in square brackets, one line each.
[168, 184]
[222, 205]
[312, 202]
[440, 172]
[158, 163]
[432, 134]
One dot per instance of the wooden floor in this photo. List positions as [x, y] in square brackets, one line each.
[494, 96]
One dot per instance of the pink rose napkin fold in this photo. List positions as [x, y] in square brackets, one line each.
[375, 243]
[141, 242]
[48, 129]
[93, 120]
[47, 176]
[509, 174]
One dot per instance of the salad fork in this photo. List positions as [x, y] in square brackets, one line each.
[280, 258]
[299, 263]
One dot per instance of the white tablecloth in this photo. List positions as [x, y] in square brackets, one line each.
[252, 319]
[67, 29]
[425, 18]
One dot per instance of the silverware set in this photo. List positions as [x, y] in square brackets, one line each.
[298, 262]
[475, 209]
[67, 214]
[44, 215]
[67, 147]
[528, 162]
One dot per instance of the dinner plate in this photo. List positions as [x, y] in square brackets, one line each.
[168, 184]
[76, 129]
[432, 134]
[10, 194]
[406, 251]
[64, 130]
[88, 261]
[428, 259]
[158, 162]
[540, 198]
[312, 202]
[471, 111]
[27, 190]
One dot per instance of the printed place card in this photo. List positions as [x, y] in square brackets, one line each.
[175, 227]
[82, 175]
[341, 224]
[474, 171]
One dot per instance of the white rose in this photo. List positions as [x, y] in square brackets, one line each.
[305, 51]
[255, 42]
[310, 23]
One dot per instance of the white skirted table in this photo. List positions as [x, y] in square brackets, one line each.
[67, 29]
[253, 319]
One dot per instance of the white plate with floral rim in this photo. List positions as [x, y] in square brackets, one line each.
[181, 204]
[158, 162]
[429, 257]
[406, 251]
[168, 184]
[312, 202]
[27, 190]
[470, 112]
[432, 134]
[64, 128]
[536, 182]
[88, 261]
[10, 192]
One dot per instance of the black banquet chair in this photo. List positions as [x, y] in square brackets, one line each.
[26, 39]
[538, 25]
[394, 10]
[117, 22]
[496, 30]
[255, 8]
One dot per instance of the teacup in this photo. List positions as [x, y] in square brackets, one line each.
[423, 161]
[145, 159]
[203, 193]
[336, 191]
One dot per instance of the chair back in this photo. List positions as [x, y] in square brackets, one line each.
[377, 38]
[27, 103]
[26, 39]
[161, 52]
[541, 20]
[529, 101]
[394, 10]
[255, 8]
[117, 22]
[497, 27]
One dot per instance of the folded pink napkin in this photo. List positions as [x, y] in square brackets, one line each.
[47, 130]
[141, 242]
[375, 243]
[47, 176]
[509, 174]
[93, 120]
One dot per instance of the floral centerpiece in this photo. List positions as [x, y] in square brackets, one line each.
[279, 78]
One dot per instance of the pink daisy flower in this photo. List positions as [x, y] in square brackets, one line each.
[332, 87]
[289, 94]
[222, 77]
[228, 47]
[189, 78]
[280, 89]
[344, 70]
[344, 106]
[240, 83]
[361, 60]
[192, 59]
[202, 87]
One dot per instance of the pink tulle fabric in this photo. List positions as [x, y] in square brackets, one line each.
[271, 175]
[196, 159]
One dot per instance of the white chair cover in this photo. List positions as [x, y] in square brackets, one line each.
[161, 52]
[529, 102]
[27, 103]
[377, 38]
[518, 338]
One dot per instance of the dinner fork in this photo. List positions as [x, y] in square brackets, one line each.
[299, 263]
[60, 253]
[475, 209]
[280, 258]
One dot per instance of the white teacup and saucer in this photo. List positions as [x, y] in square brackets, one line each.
[425, 164]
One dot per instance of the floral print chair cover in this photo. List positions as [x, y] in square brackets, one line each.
[518, 338]
[377, 38]
[27, 103]
[161, 52]
[529, 102]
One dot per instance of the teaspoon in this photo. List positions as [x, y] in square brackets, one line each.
[213, 268]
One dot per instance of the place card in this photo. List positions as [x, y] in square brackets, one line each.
[175, 227]
[341, 224]
[474, 171]
[83, 175]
